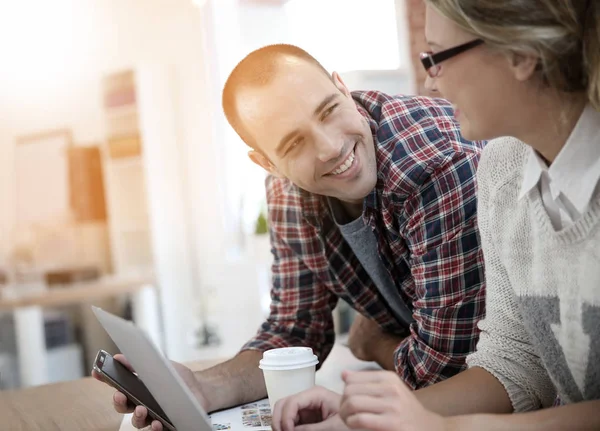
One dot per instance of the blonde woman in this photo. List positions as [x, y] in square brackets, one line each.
[529, 69]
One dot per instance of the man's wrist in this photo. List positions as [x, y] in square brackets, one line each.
[201, 383]
[233, 382]
[385, 351]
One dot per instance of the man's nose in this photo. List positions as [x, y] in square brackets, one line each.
[328, 148]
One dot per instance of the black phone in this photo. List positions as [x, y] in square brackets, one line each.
[119, 377]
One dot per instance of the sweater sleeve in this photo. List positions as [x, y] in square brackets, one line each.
[505, 349]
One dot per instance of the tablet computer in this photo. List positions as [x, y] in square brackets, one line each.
[156, 372]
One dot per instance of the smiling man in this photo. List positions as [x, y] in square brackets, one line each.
[372, 200]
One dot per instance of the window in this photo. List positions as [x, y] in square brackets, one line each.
[346, 35]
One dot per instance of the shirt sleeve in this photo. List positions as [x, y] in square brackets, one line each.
[505, 349]
[301, 306]
[447, 267]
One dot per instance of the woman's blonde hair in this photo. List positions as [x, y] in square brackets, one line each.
[564, 34]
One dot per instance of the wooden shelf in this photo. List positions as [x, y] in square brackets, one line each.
[124, 147]
[126, 185]
[133, 162]
[118, 111]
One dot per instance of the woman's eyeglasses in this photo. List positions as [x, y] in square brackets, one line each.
[431, 61]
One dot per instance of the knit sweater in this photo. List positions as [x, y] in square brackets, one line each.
[541, 334]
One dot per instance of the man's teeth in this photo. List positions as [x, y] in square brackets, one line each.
[345, 166]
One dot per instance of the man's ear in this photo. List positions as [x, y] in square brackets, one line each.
[262, 161]
[523, 65]
[339, 83]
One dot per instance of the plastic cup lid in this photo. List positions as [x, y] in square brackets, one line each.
[288, 358]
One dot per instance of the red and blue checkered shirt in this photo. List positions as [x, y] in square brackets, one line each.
[423, 214]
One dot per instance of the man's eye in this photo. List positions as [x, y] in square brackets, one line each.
[293, 145]
[328, 111]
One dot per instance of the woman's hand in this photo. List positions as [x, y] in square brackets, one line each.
[380, 401]
[312, 410]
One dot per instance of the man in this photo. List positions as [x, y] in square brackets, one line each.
[371, 200]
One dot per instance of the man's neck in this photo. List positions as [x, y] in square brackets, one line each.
[354, 210]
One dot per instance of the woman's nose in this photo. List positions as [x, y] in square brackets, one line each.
[430, 84]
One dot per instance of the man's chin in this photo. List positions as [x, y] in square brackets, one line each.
[351, 191]
[356, 195]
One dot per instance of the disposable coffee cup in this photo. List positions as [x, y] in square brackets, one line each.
[288, 371]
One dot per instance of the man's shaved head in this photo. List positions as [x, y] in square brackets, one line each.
[258, 69]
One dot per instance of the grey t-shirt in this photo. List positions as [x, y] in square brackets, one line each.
[361, 239]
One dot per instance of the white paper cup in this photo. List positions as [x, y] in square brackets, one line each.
[288, 371]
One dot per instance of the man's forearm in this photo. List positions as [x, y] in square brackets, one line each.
[574, 417]
[471, 391]
[236, 381]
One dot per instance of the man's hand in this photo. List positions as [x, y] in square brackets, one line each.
[140, 417]
[368, 342]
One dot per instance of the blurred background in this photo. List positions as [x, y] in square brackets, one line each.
[123, 186]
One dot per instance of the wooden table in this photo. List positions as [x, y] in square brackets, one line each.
[86, 404]
[79, 405]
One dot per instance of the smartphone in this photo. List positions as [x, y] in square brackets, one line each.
[119, 377]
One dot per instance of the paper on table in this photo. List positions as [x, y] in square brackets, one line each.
[249, 417]
[328, 376]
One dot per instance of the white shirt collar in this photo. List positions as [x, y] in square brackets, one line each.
[576, 170]
[534, 168]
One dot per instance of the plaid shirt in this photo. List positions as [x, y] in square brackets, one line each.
[423, 213]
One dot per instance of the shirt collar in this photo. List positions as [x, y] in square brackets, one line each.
[576, 170]
[370, 200]
[534, 168]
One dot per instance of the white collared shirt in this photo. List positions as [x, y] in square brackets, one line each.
[569, 183]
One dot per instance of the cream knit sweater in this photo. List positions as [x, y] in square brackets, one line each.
[541, 334]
